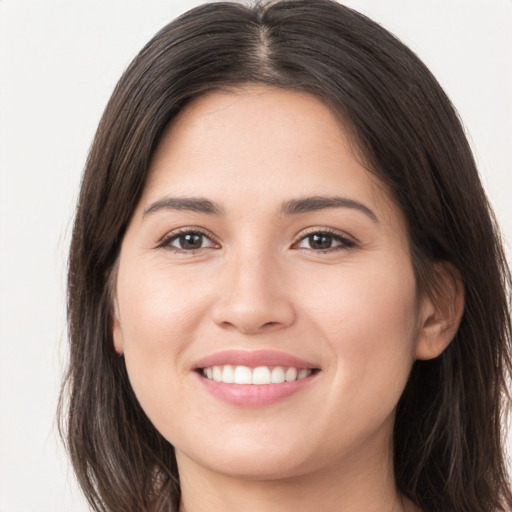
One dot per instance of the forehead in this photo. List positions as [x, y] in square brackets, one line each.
[261, 144]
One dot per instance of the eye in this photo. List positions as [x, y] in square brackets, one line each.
[187, 241]
[324, 241]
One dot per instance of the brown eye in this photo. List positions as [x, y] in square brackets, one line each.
[188, 241]
[320, 241]
[324, 241]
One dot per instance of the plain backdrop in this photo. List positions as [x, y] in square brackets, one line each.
[59, 61]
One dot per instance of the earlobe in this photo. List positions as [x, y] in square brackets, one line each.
[441, 313]
[117, 334]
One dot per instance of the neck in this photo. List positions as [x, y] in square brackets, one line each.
[352, 486]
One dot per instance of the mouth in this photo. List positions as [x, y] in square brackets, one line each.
[254, 378]
[259, 376]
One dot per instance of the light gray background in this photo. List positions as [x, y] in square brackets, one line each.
[59, 61]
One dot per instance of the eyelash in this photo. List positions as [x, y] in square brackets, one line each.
[344, 242]
[167, 240]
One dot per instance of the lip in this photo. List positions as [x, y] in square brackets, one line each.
[250, 395]
[253, 359]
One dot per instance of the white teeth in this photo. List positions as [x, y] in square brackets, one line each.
[228, 374]
[243, 375]
[260, 375]
[277, 375]
[303, 374]
[217, 373]
[290, 375]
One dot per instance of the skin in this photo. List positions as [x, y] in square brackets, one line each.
[257, 282]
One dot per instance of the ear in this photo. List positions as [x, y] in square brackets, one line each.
[117, 333]
[441, 312]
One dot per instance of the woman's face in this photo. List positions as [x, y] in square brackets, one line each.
[262, 251]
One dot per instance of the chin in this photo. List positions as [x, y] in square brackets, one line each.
[250, 461]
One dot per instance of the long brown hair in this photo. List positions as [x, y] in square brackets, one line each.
[448, 443]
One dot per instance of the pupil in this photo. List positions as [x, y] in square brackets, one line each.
[320, 241]
[191, 241]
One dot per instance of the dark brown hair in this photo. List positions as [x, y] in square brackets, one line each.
[448, 444]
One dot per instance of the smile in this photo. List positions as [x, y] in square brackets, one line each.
[254, 378]
[261, 375]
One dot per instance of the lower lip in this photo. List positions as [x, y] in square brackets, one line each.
[254, 395]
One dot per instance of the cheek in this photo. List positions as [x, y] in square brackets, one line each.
[369, 320]
[158, 307]
[363, 300]
[158, 316]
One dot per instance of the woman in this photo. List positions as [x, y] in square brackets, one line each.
[286, 288]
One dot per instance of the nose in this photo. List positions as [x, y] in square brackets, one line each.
[252, 297]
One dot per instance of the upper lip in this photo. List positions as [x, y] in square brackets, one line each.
[253, 359]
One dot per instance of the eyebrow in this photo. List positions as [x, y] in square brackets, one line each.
[292, 207]
[310, 204]
[192, 204]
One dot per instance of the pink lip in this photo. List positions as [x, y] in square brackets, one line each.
[253, 358]
[251, 395]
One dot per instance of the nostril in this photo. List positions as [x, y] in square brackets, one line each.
[252, 313]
